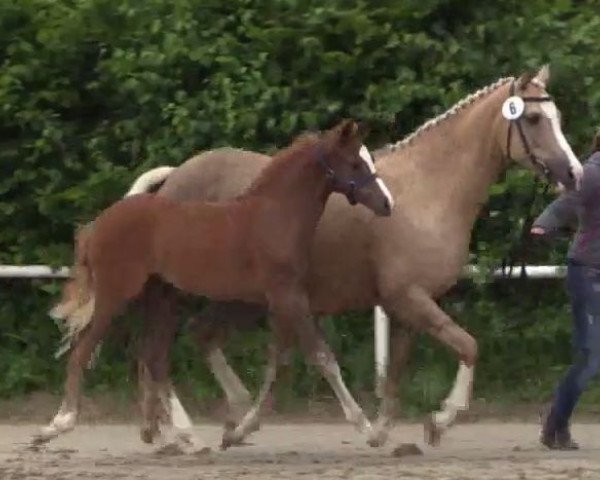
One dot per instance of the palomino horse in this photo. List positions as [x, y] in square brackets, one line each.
[254, 248]
[440, 175]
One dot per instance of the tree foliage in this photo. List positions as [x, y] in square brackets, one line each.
[93, 92]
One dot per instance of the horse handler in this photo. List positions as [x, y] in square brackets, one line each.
[580, 209]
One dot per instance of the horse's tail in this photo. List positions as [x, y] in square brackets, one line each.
[150, 180]
[76, 306]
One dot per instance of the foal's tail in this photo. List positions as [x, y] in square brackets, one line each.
[74, 310]
[76, 306]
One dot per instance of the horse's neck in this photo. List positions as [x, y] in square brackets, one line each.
[445, 173]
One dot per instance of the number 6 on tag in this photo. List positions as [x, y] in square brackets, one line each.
[513, 108]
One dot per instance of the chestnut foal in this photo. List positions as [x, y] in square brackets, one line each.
[254, 248]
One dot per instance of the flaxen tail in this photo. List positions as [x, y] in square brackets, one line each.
[74, 311]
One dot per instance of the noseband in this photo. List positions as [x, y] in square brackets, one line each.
[347, 187]
[517, 121]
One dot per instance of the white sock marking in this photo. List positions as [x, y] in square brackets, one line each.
[180, 418]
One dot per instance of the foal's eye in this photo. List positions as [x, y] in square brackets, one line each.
[533, 118]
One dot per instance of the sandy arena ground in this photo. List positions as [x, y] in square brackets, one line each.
[302, 450]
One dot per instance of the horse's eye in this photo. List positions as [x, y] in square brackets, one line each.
[533, 118]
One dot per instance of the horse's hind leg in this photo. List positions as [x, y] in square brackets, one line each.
[79, 357]
[401, 342]
[247, 425]
[158, 396]
[211, 329]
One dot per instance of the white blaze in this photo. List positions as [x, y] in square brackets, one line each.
[549, 109]
[368, 159]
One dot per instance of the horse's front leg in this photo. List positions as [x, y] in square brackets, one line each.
[416, 307]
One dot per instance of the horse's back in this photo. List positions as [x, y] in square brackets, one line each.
[216, 175]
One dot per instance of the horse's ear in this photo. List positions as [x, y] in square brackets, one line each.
[524, 79]
[543, 75]
[348, 130]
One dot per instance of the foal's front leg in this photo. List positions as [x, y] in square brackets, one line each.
[293, 312]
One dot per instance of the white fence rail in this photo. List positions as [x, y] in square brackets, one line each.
[382, 324]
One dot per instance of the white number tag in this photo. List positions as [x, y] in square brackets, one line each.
[513, 108]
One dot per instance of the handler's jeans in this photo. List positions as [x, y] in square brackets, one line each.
[583, 284]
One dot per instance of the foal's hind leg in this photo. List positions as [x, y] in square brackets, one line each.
[79, 357]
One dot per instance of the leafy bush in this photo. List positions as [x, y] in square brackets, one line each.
[93, 92]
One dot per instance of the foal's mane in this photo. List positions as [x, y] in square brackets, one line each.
[303, 145]
[299, 148]
[448, 114]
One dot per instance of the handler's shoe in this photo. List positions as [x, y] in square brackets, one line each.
[564, 441]
[553, 438]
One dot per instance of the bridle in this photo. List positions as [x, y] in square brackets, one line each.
[347, 187]
[524, 237]
[517, 122]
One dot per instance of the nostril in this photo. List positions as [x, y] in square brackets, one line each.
[386, 204]
[571, 173]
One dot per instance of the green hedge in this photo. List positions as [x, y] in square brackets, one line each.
[93, 92]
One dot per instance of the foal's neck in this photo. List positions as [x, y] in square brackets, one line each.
[296, 182]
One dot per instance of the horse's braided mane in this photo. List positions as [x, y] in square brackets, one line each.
[451, 112]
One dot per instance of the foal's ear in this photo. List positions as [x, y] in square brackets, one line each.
[348, 130]
[363, 129]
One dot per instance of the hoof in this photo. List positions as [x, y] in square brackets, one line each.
[149, 434]
[433, 434]
[378, 439]
[229, 439]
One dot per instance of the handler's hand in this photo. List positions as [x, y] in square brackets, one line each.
[538, 231]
